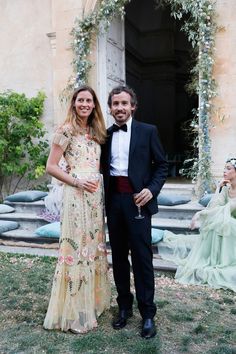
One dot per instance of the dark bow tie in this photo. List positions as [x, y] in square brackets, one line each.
[115, 128]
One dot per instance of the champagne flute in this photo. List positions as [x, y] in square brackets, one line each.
[139, 216]
[95, 178]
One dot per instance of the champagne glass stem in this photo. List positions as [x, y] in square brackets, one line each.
[139, 211]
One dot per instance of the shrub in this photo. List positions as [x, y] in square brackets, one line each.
[23, 149]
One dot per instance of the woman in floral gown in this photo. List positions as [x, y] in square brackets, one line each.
[212, 259]
[81, 289]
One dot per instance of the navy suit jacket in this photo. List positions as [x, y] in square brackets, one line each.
[147, 168]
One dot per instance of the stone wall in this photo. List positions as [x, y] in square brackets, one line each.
[35, 50]
[26, 60]
[224, 117]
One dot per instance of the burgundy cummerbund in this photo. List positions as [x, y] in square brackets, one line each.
[121, 184]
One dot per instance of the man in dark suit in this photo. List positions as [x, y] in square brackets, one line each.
[133, 161]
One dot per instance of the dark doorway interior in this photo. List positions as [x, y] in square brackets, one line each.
[157, 67]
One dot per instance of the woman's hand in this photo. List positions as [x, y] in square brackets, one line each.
[193, 222]
[88, 186]
[224, 182]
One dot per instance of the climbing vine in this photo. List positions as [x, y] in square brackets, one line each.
[95, 22]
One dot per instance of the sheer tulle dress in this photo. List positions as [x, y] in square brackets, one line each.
[81, 288]
[210, 257]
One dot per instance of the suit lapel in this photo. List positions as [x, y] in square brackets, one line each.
[133, 138]
[109, 139]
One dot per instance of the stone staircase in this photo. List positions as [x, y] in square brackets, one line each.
[27, 216]
[177, 218]
[174, 218]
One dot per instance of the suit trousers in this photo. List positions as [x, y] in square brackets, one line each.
[127, 233]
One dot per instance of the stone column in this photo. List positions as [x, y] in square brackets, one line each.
[223, 134]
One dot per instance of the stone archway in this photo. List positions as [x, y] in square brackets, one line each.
[157, 67]
[202, 19]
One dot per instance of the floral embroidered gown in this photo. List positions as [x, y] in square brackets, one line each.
[81, 289]
[212, 257]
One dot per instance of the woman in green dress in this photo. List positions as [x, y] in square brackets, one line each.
[81, 289]
[212, 256]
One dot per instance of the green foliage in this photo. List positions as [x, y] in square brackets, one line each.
[23, 149]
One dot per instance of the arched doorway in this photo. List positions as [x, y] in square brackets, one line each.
[157, 64]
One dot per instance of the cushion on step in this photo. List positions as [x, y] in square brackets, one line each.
[6, 225]
[170, 199]
[49, 230]
[157, 235]
[26, 196]
[205, 199]
[4, 209]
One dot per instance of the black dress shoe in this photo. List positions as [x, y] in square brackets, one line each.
[148, 328]
[121, 321]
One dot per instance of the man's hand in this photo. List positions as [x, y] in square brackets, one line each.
[143, 197]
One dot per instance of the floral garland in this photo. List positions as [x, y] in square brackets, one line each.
[83, 32]
[201, 29]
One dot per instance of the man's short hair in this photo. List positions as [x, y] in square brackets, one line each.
[118, 89]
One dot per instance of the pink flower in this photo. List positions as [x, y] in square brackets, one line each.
[69, 260]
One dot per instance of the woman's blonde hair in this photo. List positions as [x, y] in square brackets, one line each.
[95, 120]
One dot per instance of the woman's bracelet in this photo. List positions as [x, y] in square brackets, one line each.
[75, 182]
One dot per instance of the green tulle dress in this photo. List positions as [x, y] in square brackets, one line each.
[210, 257]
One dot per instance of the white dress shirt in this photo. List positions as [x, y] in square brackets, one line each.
[120, 151]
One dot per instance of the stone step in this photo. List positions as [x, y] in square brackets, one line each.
[30, 222]
[173, 225]
[27, 207]
[162, 245]
[158, 263]
[186, 189]
[26, 235]
[27, 221]
[181, 211]
[38, 206]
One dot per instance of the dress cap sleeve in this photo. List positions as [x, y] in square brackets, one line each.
[62, 137]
